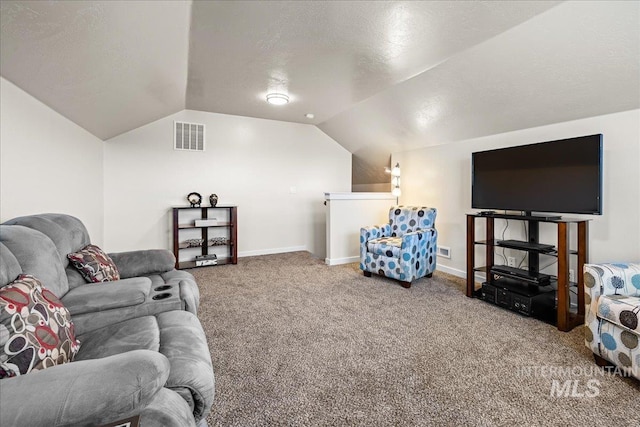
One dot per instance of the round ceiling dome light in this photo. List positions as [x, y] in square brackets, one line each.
[277, 98]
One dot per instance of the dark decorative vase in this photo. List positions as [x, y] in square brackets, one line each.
[213, 199]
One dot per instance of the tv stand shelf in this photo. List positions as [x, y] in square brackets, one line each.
[566, 318]
[541, 218]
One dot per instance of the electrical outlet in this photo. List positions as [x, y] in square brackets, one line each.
[572, 275]
[511, 261]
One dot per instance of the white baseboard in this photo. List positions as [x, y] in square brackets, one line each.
[272, 251]
[450, 270]
[338, 261]
[479, 277]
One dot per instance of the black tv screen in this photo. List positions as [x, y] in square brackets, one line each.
[563, 176]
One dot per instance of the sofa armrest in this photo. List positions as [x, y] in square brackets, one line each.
[89, 392]
[605, 279]
[94, 297]
[368, 233]
[608, 279]
[419, 239]
[374, 232]
[141, 263]
[612, 279]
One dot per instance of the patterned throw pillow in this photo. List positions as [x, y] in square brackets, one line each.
[36, 331]
[94, 265]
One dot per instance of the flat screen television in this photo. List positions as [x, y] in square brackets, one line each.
[563, 176]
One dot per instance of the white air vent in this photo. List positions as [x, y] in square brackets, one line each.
[444, 252]
[188, 136]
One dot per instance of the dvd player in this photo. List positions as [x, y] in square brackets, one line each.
[519, 244]
[523, 275]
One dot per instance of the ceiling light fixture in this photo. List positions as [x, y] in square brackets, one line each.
[277, 98]
[309, 115]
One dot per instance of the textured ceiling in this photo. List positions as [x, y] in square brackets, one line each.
[577, 60]
[379, 76]
[328, 55]
[108, 66]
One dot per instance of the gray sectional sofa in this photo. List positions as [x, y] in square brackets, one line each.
[142, 352]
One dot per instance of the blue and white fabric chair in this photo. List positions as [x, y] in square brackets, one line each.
[404, 249]
[612, 314]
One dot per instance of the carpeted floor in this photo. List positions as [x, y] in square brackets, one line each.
[297, 343]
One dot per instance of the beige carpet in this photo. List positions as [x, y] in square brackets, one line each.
[297, 343]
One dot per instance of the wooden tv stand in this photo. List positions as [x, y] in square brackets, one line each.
[566, 319]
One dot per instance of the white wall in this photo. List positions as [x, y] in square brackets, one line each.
[48, 163]
[440, 176]
[347, 213]
[253, 163]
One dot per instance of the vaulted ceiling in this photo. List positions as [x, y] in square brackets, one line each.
[379, 77]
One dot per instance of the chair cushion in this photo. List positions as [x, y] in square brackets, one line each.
[141, 333]
[37, 255]
[386, 246]
[621, 310]
[183, 341]
[9, 266]
[176, 334]
[67, 233]
[36, 331]
[407, 219]
[94, 264]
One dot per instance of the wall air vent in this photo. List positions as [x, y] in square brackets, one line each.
[188, 136]
[444, 252]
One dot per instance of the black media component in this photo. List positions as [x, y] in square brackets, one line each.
[526, 246]
[535, 301]
[522, 276]
[563, 176]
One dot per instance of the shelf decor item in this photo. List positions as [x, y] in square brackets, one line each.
[213, 199]
[218, 241]
[192, 243]
[208, 222]
[195, 199]
[204, 260]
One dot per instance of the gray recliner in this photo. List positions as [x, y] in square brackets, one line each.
[138, 356]
[150, 284]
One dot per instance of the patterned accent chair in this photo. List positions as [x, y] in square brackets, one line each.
[404, 249]
[612, 311]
